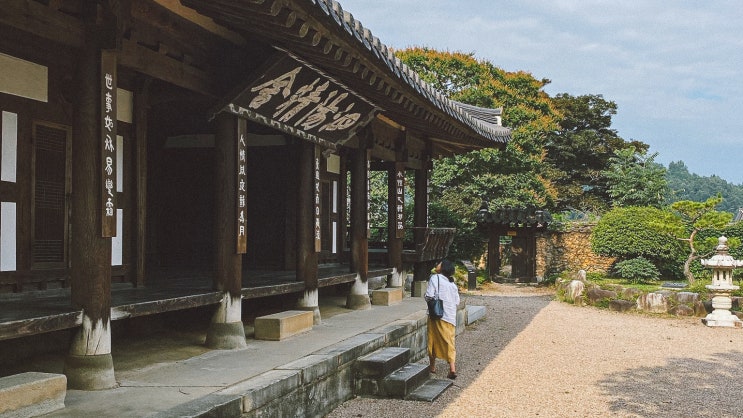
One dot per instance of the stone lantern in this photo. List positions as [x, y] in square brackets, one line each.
[722, 265]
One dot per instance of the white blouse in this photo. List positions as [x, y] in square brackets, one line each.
[448, 293]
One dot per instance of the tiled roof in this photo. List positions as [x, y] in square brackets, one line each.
[323, 34]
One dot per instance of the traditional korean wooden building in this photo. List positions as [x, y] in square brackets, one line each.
[164, 154]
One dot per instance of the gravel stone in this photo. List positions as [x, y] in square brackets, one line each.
[533, 356]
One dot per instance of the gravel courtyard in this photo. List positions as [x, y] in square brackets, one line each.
[533, 356]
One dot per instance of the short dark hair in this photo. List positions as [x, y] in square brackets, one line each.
[447, 269]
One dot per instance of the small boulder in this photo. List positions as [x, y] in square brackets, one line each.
[688, 298]
[631, 293]
[652, 302]
[682, 310]
[594, 295]
[573, 290]
[700, 310]
[620, 305]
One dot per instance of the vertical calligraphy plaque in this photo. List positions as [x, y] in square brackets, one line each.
[399, 200]
[241, 195]
[368, 194]
[317, 197]
[108, 142]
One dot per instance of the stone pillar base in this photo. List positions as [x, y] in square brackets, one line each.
[316, 318]
[358, 302]
[722, 319]
[95, 372]
[226, 336]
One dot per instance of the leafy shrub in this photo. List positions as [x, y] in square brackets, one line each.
[637, 270]
[630, 232]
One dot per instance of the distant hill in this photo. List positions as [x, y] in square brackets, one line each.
[689, 186]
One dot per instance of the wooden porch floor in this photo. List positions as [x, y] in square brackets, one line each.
[23, 314]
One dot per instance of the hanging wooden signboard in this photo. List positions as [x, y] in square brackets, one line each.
[241, 186]
[317, 196]
[108, 142]
[289, 95]
[399, 200]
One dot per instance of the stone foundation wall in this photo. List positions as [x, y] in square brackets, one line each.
[569, 250]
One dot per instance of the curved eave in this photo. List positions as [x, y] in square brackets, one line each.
[323, 34]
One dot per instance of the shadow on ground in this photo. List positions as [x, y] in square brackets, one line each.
[507, 316]
[682, 388]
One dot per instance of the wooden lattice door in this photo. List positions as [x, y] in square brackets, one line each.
[51, 182]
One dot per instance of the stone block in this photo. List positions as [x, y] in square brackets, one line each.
[282, 325]
[32, 394]
[387, 296]
[260, 390]
[475, 313]
[653, 302]
[419, 288]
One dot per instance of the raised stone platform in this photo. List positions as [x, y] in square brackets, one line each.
[387, 296]
[32, 394]
[282, 325]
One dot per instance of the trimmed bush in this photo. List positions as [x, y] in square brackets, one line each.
[637, 270]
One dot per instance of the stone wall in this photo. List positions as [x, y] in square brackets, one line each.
[569, 250]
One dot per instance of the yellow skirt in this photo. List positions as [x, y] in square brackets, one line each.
[441, 340]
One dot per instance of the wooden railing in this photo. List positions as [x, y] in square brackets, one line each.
[431, 244]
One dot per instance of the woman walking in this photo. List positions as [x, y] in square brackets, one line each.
[441, 332]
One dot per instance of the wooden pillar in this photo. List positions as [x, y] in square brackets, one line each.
[343, 257]
[89, 365]
[141, 108]
[359, 295]
[395, 185]
[307, 202]
[226, 330]
[421, 269]
[493, 252]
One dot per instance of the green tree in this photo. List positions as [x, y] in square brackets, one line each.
[687, 186]
[694, 218]
[631, 232]
[580, 150]
[514, 175]
[635, 179]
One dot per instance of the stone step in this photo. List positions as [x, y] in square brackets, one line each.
[430, 390]
[383, 361]
[400, 383]
[32, 394]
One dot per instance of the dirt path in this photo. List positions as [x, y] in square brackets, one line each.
[535, 357]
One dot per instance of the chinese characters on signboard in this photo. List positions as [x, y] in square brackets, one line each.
[241, 186]
[300, 101]
[108, 143]
[318, 236]
[399, 200]
[368, 195]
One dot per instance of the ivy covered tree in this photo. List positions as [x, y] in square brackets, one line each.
[635, 179]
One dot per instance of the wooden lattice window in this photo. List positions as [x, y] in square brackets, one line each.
[51, 186]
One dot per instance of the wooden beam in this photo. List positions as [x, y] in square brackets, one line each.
[31, 16]
[153, 64]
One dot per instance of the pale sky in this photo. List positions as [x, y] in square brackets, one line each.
[674, 68]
